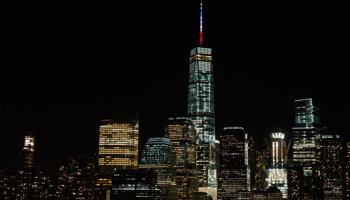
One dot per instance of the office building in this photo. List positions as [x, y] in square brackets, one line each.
[158, 155]
[234, 177]
[306, 139]
[182, 134]
[262, 158]
[201, 111]
[332, 162]
[347, 171]
[118, 148]
[135, 184]
[76, 178]
[33, 182]
[28, 150]
[295, 177]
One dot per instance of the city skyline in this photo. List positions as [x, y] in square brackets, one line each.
[60, 95]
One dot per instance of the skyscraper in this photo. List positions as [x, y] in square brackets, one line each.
[158, 155]
[118, 142]
[28, 149]
[201, 111]
[33, 182]
[306, 139]
[118, 148]
[332, 162]
[180, 131]
[234, 176]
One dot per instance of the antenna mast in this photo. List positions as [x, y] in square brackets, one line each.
[201, 24]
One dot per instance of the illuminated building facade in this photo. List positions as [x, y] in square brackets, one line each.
[118, 148]
[277, 170]
[306, 138]
[201, 111]
[295, 183]
[8, 183]
[347, 171]
[158, 155]
[118, 142]
[76, 178]
[28, 150]
[182, 134]
[137, 184]
[33, 182]
[262, 158]
[234, 176]
[332, 162]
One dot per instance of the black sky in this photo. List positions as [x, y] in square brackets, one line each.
[64, 63]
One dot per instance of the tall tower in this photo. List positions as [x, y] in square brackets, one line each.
[306, 139]
[28, 150]
[201, 110]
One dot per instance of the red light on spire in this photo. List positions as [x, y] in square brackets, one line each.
[201, 24]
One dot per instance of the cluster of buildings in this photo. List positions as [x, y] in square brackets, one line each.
[189, 161]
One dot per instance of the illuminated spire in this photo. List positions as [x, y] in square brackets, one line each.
[201, 24]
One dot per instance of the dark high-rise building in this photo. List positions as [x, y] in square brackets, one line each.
[180, 131]
[262, 158]
[332, 162]
[347, 172]
[118, 148]
[76, 178]
[306, 139]
[8, 183]
[252, 160]
[295, 183]
[234, 176]
[201, 111]
[158, 155]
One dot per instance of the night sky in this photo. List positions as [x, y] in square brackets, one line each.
[62, 64]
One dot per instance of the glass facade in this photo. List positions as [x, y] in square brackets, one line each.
[201, 110]
[158, 155]
[182, 134]
[234, 167]
[118, 142]
[306, 137]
